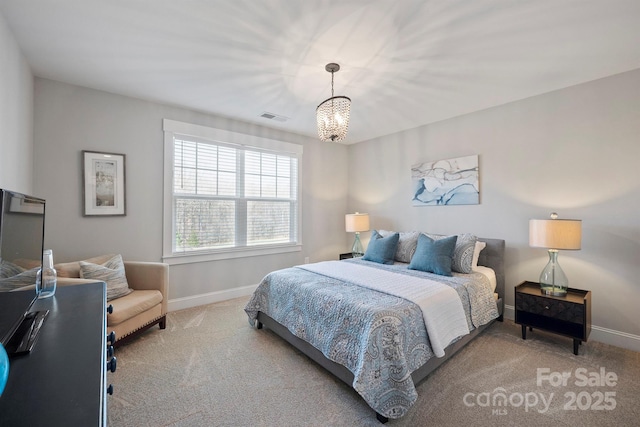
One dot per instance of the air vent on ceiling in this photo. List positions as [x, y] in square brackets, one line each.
[275, 117]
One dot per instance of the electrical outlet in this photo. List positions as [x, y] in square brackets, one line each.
[306, 260]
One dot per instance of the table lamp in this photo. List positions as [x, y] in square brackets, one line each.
[355, 223]
[555, 234]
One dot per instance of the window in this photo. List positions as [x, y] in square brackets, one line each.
[228, 194]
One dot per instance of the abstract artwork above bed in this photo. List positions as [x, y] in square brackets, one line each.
[446, 182]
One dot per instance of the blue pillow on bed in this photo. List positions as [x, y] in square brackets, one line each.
[381, 249]
[434, 256]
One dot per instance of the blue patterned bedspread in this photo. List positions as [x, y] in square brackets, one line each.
[380, 338]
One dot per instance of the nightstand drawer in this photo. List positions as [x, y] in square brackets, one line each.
[557, 309]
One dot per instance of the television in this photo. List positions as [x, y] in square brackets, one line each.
[21, 246]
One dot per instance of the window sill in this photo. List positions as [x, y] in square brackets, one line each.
[230, 253]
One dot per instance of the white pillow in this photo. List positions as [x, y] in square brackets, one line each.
[476, 253]
[491, 275]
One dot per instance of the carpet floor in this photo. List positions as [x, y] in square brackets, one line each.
[210, 368]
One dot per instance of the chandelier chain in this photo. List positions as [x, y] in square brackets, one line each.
[332, 83]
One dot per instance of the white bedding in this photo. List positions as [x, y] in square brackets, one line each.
[491, 275]
[441, 307]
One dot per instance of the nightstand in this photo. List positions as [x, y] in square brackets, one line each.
[346, 255]
[569, 315]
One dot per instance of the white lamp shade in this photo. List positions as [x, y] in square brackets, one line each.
[357, 222]
[555, 233]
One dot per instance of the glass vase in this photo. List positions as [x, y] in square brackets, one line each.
[553, 281]
[47, 277]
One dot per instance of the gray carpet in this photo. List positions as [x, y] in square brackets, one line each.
[210, 368]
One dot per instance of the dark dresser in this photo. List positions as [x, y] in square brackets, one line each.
[63, 380]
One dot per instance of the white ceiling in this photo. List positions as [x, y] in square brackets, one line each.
[404, 63]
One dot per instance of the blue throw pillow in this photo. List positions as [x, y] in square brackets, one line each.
[434, 256]
[382, 249]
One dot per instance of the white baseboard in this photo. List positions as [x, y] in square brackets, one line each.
[598, 333]
[509, 312]
[210, 297]
[617, 338]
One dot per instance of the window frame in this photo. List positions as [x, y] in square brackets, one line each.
[171, 128]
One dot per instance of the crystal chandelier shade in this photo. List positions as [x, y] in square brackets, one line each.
[333, 113]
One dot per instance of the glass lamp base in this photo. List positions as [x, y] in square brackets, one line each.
[553, 291]
[553, 281]
[357, 250]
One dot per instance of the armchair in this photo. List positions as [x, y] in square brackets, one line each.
[138, 311]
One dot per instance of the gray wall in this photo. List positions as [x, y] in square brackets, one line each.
[575, 151]
[16, 115]
[69, 119]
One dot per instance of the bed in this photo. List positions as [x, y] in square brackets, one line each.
[340, 314]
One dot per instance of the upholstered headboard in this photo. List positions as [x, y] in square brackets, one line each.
[492, 256]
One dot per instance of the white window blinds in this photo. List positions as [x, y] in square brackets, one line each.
[231, 196]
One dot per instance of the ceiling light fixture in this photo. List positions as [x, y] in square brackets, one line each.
[333, 114]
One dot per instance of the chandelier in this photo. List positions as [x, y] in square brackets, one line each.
[333, 113]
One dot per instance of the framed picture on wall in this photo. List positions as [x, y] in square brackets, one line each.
[104, 183]
[446, 182]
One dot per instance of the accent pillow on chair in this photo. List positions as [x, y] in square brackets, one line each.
[111, 272]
